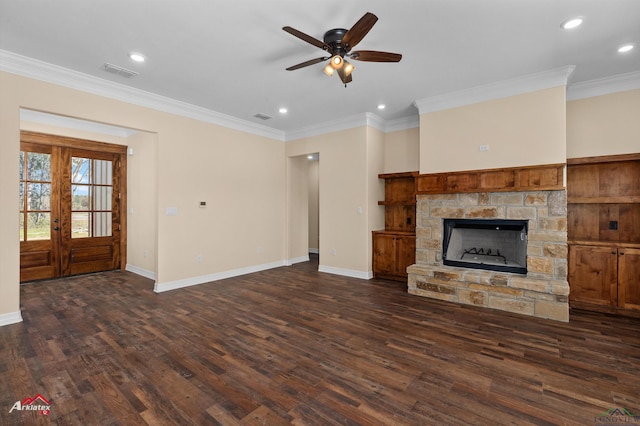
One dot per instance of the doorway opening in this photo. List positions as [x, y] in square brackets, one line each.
[72, 204]
[314, 203]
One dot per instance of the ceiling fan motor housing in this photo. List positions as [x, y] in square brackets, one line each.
[334, 39]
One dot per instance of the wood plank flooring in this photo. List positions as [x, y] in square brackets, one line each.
[295, 346]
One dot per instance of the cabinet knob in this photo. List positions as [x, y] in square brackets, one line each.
[621, 253]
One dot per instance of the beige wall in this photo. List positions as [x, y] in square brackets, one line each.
[9, 151]
[521, 130]
[344, 181]
[241, 176]
[375, 186]
[142, 203]
[604, 125]
[402, 151]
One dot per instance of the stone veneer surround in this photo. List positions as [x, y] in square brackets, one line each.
[542, 292]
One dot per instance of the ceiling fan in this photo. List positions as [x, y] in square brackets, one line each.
[338, 42]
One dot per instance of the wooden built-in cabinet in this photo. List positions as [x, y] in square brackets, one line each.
[394, 248]
[393, 252]
[603, 211]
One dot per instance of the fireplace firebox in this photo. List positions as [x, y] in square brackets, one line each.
[495, 244]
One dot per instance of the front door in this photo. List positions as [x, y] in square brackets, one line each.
[70, 207]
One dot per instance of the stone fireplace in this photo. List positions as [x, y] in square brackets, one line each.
[541, 291]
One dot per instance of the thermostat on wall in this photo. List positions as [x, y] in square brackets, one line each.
[203, 204]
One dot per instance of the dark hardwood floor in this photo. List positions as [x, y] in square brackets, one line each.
[292, 345]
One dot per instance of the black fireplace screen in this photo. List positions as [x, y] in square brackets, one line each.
[492, 244]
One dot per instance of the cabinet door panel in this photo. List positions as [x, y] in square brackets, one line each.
[384, 254]
[593, 275]
[406, 253]
[629, 278]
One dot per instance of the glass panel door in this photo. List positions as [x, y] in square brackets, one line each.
[39, 221]
[69, 208]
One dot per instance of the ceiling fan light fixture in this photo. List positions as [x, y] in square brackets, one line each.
[329, 70]
[348, 68]
[337, 62]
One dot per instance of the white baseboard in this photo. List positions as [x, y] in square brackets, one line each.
[346, 272]
[187, 282]
[314, 250]
[10, 318]
[141, 271]
[297, 260]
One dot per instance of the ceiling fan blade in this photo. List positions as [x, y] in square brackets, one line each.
[346, 78]
[359, 30]
[375, 56]
[305, 37]
[307, 63]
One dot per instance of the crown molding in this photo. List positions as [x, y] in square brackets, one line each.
[604, 86]
[500, 89]
[38, 70]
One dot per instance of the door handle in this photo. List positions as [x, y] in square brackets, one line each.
[56, 228]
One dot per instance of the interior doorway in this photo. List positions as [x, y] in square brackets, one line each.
[72, 199]
[314, 203]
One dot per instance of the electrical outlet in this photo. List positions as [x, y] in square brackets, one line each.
[334, 252]
[199, 258]
[483, 148]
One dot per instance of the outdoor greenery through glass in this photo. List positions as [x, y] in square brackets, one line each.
[91, 197]
[35, 196]
[91, 194]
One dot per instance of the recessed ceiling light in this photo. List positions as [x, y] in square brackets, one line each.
[138, 57]
[310, 157]
[282, 110]
[382, 106]
[571, 23]
[625, 48]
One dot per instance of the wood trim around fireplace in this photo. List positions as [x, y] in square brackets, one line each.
[547, 177]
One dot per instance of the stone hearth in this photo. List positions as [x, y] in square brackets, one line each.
[542, 292]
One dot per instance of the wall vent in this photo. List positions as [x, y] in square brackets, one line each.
[114, 69]
[262, 116]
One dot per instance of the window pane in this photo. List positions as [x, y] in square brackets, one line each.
[21, 196]
[38, 226]
[102, 197]
[21, 226]
[80, 197]
[39, 196]
[102, 173]
[21, 165]
[80, 222]
[102, 224]
[80, 170]
[39, 167]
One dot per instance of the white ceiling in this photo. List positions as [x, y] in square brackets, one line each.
[230, 57]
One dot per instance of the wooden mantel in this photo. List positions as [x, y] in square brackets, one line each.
[547, 177]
